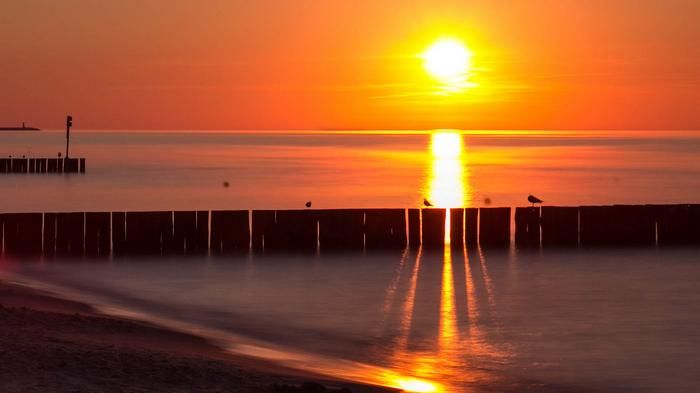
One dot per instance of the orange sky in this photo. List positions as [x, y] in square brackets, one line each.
[307, 64]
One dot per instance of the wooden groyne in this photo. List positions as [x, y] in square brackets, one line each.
[104, 234]
[42, 165]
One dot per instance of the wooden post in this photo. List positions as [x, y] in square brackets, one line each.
[471, 226]
[148, 233]
[617, 225]
[414, 228]
[527, 227]
[340, 229]
[385, 229]
[494, 227]
[433, 224]
[22, 234]
[294, 230]
[97, 234]
[559, 226]
[119, 234]
[230, 232]
[263, 227]
[184, 232]
[69, 124]
[69, 234]
[678, 225]
[456, 227]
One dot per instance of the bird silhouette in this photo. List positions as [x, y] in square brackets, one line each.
[308, 204]
[427, 203]
[533, 199]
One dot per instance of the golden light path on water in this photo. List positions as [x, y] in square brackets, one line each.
[438, 369]
[447, 186]
[426, 371]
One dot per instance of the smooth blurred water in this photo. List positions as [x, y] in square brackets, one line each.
[469, 321]
[129, 170]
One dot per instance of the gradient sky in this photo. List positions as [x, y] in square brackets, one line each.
[338, 64]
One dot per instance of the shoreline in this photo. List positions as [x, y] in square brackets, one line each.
[52, 344]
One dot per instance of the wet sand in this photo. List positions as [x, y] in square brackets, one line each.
[50, 344]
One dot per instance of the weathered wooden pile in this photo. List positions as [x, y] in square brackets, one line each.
[103, 234]
[42, 165]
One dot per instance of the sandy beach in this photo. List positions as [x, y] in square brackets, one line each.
[55, 345]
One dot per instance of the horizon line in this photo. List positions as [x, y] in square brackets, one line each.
[369, 130]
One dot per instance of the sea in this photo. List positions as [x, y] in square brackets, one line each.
[453, 320]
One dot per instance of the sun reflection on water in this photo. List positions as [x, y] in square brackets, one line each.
[448, 318]
[447, 186]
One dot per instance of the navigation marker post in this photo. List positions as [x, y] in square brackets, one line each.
[69, 124]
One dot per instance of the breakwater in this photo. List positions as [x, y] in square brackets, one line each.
[105, 234]
[42, 165]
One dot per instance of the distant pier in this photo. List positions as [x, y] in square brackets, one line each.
[221, 233]
[42, 165]
[23, 128]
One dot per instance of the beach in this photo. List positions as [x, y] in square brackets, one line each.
[57, 345]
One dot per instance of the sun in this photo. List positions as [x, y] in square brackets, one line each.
[447, 60]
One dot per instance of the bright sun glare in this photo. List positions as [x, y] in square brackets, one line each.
[416, 386]
[447, 60]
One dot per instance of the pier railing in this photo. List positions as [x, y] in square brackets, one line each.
[42, 165]
[105, 234]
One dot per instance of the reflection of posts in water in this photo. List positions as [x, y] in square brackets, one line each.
[432, 346]
[390, 296]
[475, 338]
[447, 337]
[408, 357]
[472, 310]
[408, 305]
[487, 279]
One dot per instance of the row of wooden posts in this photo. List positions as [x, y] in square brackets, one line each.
[104, 234]
[42, 165]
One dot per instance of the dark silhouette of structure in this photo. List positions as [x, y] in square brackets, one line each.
[41, 165]
[23, 128]
[533, 199]
[308, 204]
[427, 203]
[44, 165]
[241, 231]
[69, 124]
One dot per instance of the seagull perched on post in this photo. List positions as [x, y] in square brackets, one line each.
[308, 204]
[533, 199]
[427, 203]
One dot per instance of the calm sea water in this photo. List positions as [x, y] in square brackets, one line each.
[186, 170]
[453, 321]
[474, 321]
